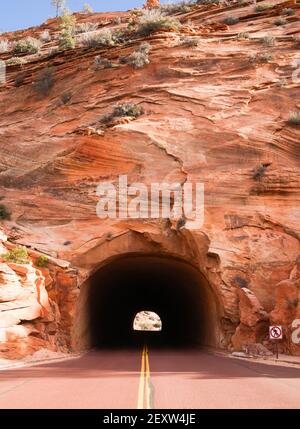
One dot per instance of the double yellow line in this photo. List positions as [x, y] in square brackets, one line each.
[145, 391]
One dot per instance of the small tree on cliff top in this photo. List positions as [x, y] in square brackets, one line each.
[58, 5]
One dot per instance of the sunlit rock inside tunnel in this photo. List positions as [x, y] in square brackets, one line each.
[173, 289]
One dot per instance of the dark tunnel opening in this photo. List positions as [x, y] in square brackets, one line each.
[172, 288]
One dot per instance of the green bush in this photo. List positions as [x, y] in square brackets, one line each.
[87, 8]
[140, 57]
[44, 81]
[294, 118]
[125, 109]
[4, 212]
[243, 36]
[45, 36]
[128, 109]
[20, 79]
[265, 57]
[259, 172]
[42, 261]
[68, 21]
[288, 11]
[18, 255]
[231, 20]
[86, 27]
[208, 1]
[153, 20]
[117, 21]
[66, 40]
[4, 46]
[99, 39]
[66, 97]
[280, 21]
[190, 42]
[269, 40]
[102, 63]
[263, 6]
[30, 45]
[15, 61]
[181, 7]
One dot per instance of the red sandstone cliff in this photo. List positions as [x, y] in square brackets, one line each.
[215, 111]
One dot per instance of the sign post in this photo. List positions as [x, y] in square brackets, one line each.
[275, 334]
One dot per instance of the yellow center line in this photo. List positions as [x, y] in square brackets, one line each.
[148, 384]
[144, 394]
[140, 404]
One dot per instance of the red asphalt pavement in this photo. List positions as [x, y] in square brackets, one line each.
[179, 379]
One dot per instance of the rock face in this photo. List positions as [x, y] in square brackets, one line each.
[217, 100]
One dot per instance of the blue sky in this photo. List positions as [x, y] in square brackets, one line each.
[17, 14]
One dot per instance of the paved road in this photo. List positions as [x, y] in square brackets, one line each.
[154, 379]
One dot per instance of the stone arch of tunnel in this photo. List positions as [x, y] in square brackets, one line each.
[173, 288]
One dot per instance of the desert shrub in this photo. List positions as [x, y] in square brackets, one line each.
[123, 59]
[4, 46]
[42, 261]
[68, 21]
[190, 42]
[140, 58]
[125, 109]
[19, 80]
[208, 1]
[128, 109]
[85, 27]
[101, 38]
[102, 63]
[265, 57]
[280, 21]
[117, 21]
[269, 40]
[259, 172]
[294, 118]
[44, 81]
[153, 20]
[231, 20]
[181, 7]
[243, 36]
[297, 40]
[263, 6]
[288, 11]
[18, 255]
[4, 212]
[87, 8]
[45, 36]
[240, 282]
[66, 97]
[180, 223]
[66, 40]
[15, 61]
[30, 45]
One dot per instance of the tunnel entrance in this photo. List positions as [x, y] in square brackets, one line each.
[170, 287]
